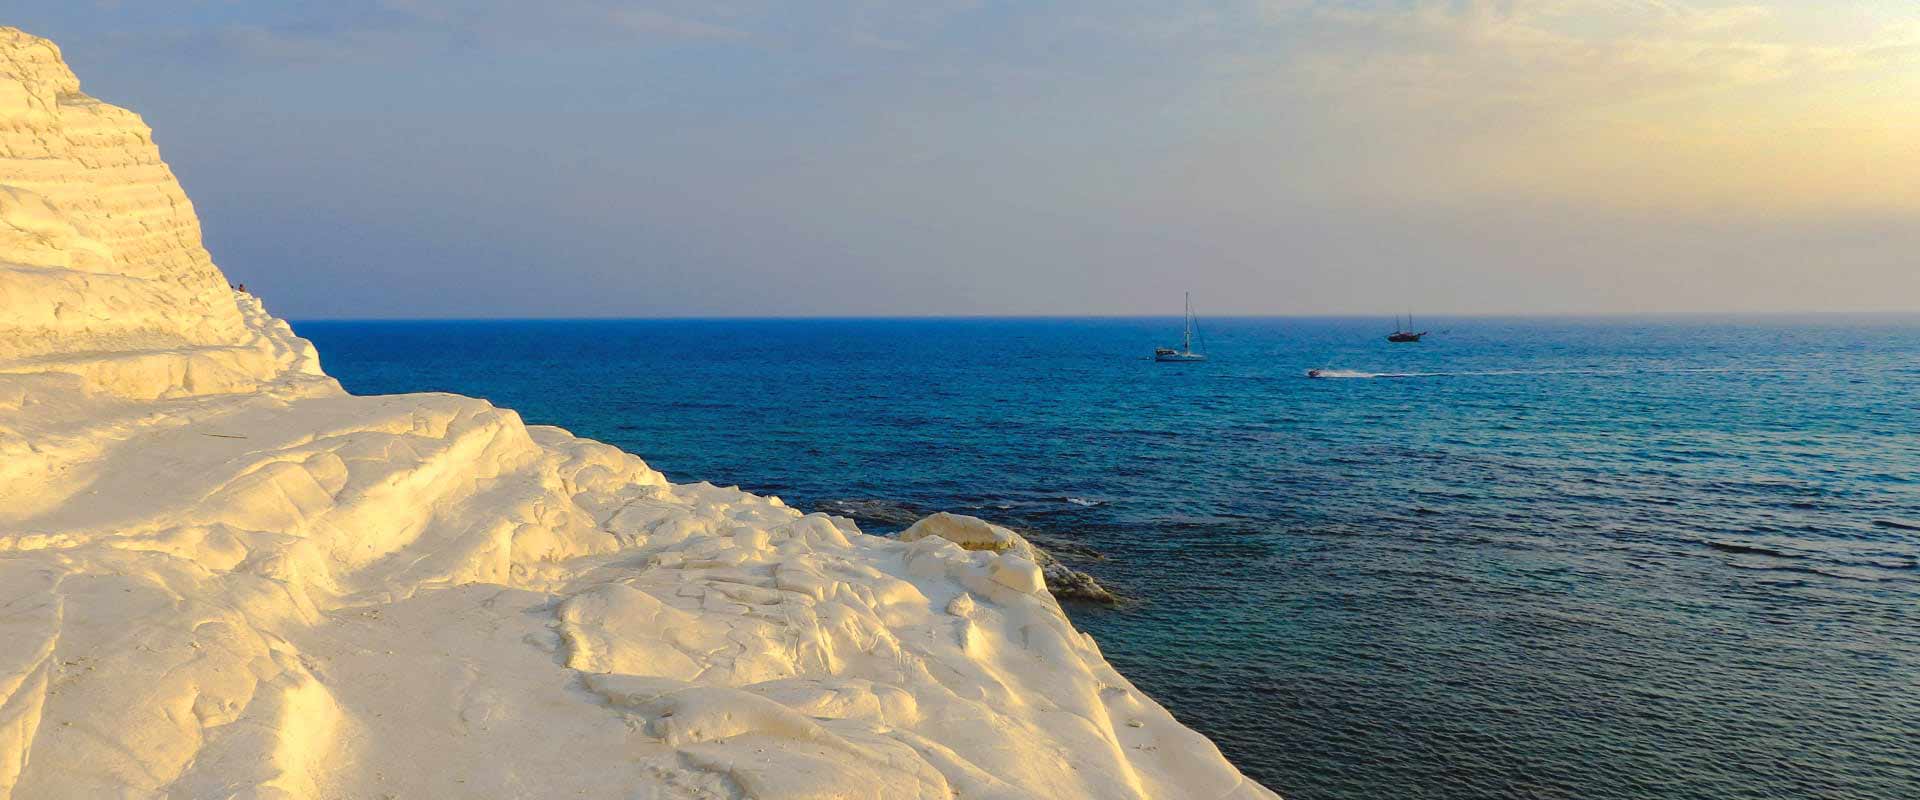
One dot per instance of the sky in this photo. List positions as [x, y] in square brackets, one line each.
[595, 158]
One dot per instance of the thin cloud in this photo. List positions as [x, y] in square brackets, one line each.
[1635, 102]
[1532, 56]
[655, 23]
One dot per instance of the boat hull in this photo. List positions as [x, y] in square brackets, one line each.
[1178, 358]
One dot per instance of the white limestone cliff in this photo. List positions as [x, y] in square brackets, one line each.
[222, 576]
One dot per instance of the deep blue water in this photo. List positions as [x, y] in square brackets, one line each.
[1605, 558]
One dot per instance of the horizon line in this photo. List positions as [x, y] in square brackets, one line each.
[962, 317]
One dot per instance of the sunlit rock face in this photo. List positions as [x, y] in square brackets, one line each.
[221, 576]
[102, 274]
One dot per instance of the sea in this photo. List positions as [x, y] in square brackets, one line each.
[1602, 558]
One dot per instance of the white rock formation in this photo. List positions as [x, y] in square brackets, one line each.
[221, 576]
[973, 533]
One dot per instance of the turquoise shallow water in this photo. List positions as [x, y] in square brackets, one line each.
[1571, 558]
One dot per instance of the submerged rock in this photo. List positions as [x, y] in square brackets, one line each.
[1068, 583]
[884, 513]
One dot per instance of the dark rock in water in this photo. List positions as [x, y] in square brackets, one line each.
[883, 513]
[1067, 583]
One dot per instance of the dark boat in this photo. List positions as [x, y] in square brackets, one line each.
[1407, 334]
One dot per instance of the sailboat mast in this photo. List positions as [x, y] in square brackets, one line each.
[1186, 330]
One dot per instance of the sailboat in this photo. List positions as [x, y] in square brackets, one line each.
[1402, 335]
[1185, 353]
